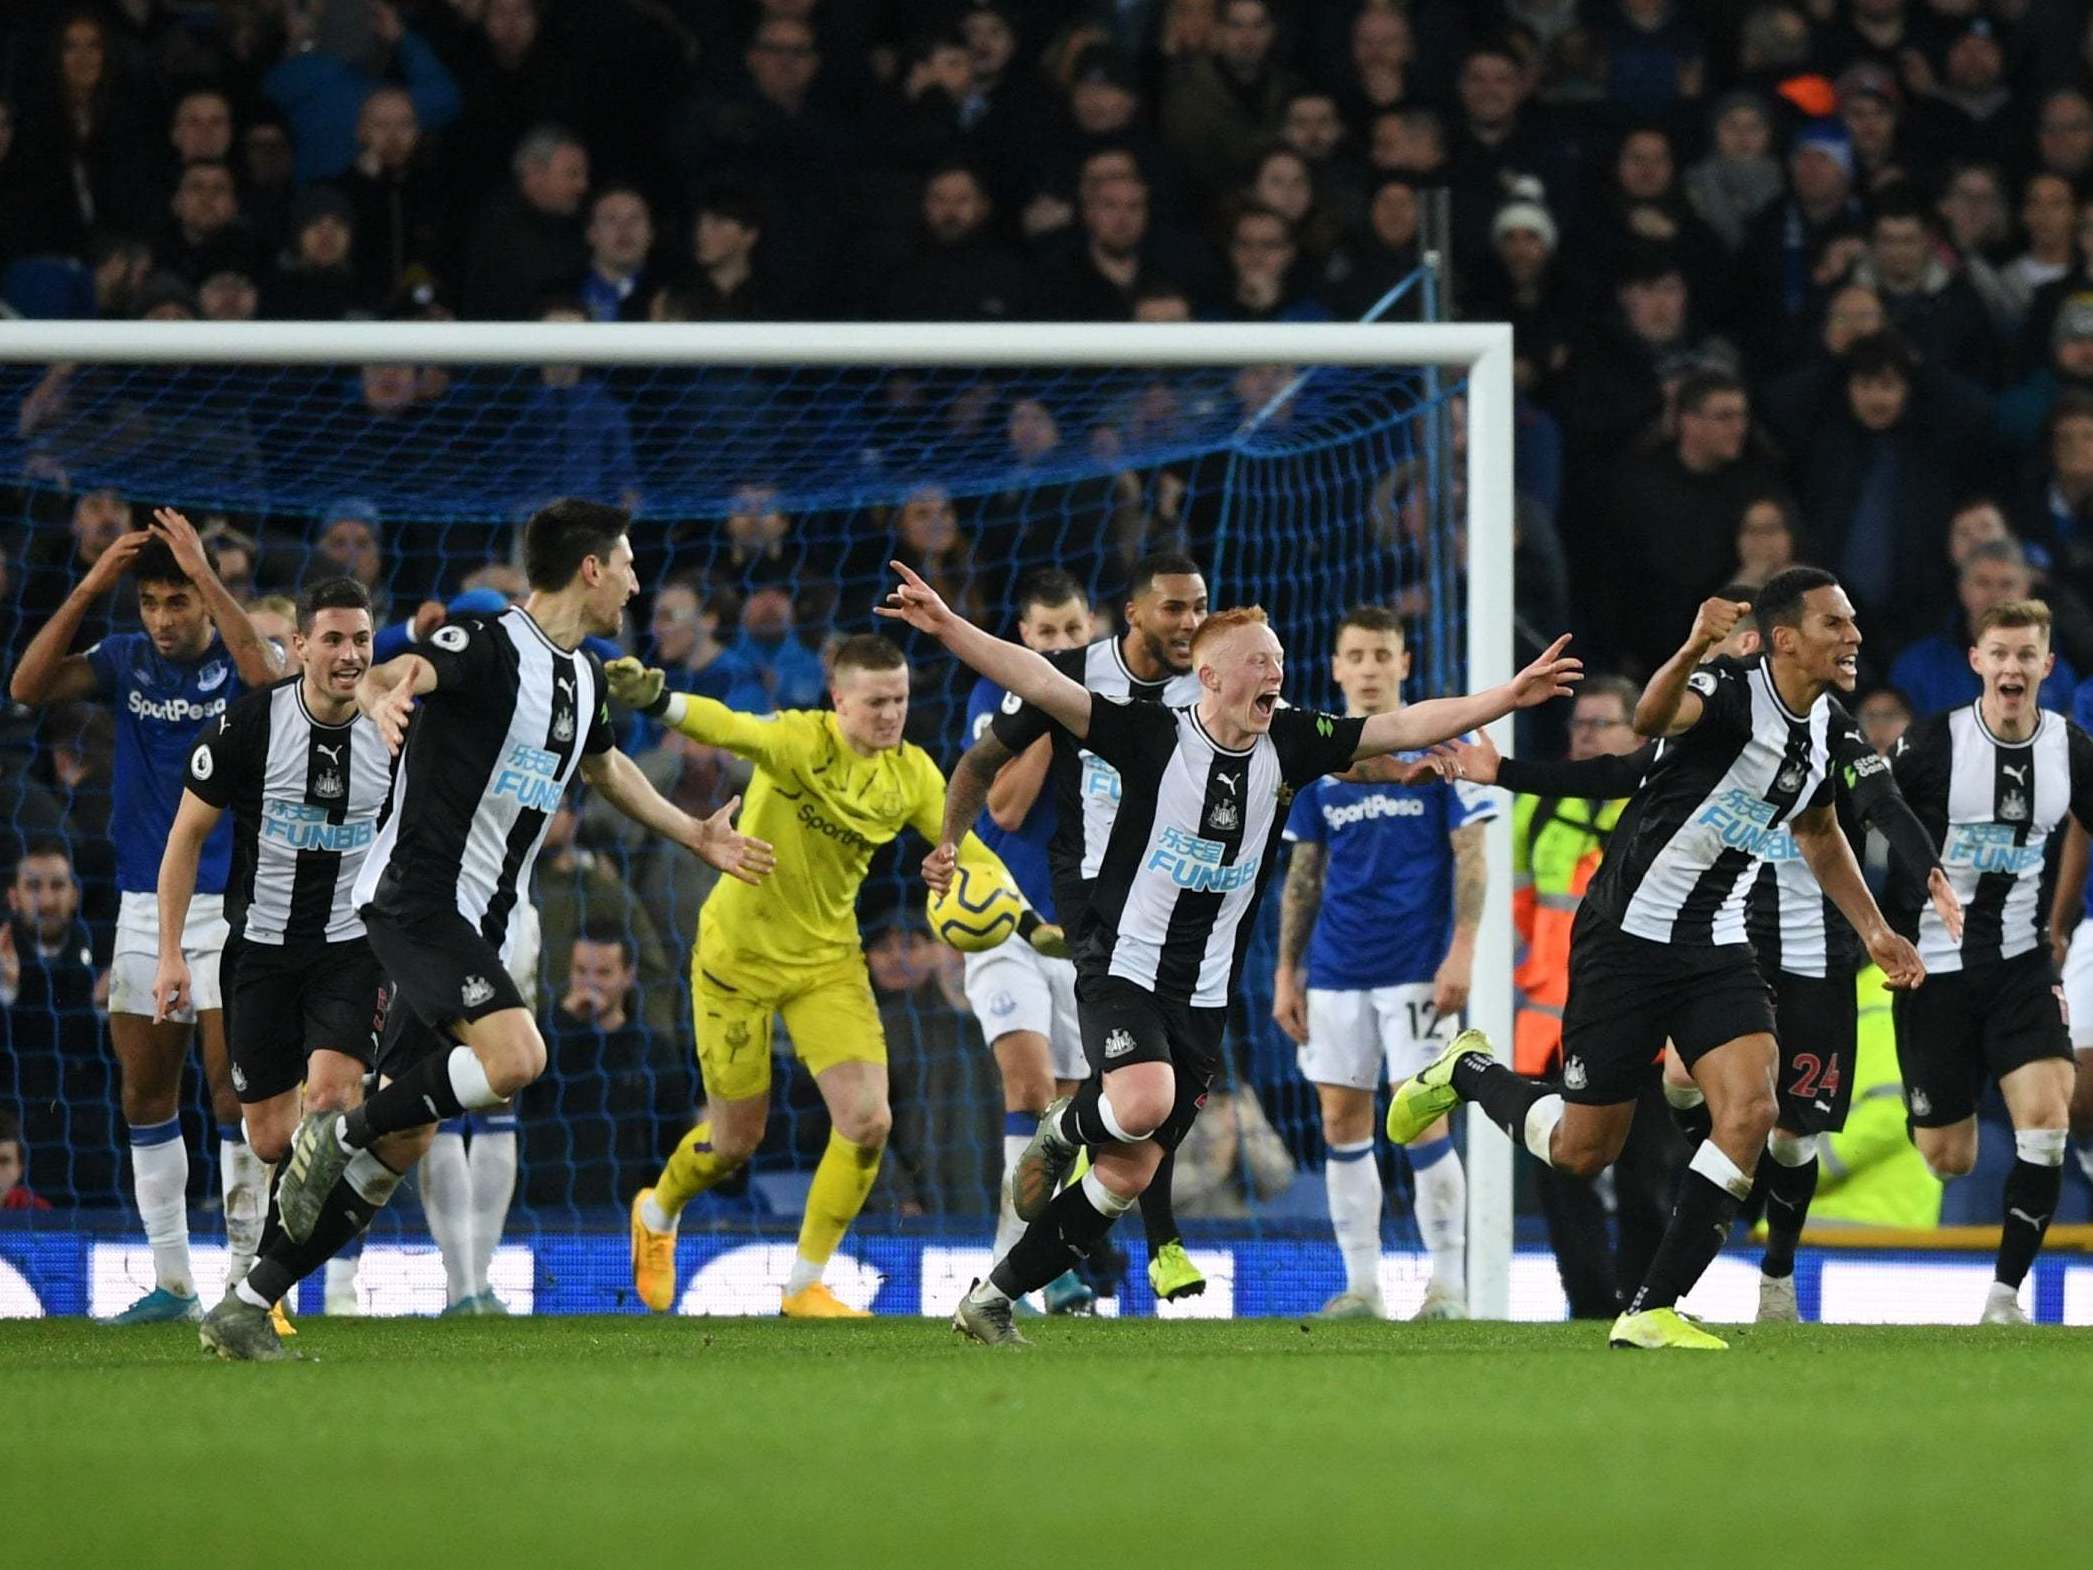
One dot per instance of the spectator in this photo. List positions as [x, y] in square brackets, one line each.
[15, 1192]
[1853, 312]
[1497, 142]
[942, 1155]
[960, 271]
[2024, 410]
[726, 285]
[1884, 715]
[684, 634]
[580, 891]
[1232, 1160]
[275, 617]
[1380, 64]
[92, 130]
[1675, 515]
[528, 242]
[1881, 445]
[1871, 107]
[206, 232]
[235, 557]
[1382, 258]
[787, 674]
[1933, 308]
[1739, 178]
[1645, 208]
[54, 562]
[1109, 266]
[402, 210]
[1653, 52]
[228, 295]
[52, 1062]
[755, 548]
[1973, 222]
[621, 238]
[1935, 672]
[317, 282]
[267, 169]
[671, 883]
[1263, 283]
[2048, 218]
[1222, 103]
[1970, 108]
[2064, 135]
[1798, 249]
[1282, 182]
[202, 127]
[1766, 542]
[571, 437]
[348, 544]
[514, 79]
[334, 55]
[1312, 127]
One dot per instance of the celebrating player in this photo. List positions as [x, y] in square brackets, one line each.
[1993, 783]
[511, 709]
[1178, 883]
[1025, 1000]
[1661, 946]
[196, 654]
[1390, 879]
[832, 787]
[305, 776]
[1808, 953]
[1166, 602]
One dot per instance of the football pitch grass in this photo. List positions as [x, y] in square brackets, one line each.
[707, 1443]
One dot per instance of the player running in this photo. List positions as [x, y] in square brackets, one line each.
[1390, 880]
[196, 654]
[1808, 953]
[1994, 783]
[1024, 1000]
[1166, 602]
[305, 776]
[1661, 947]
[504, 713]
[831, 787]
[1206, 790]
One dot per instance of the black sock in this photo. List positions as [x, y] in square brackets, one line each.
[1695, 1122]
[1788, 1194]
[2031, 1199]
[1069, 1229]
[1505, 1096]
[285, 1263]
[1082, 1119]
[272, 1218]
[1158, 1219]
[1700, 1225]
[420, 1096]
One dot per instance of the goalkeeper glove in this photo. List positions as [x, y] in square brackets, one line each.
[1044, 936]
[636, 686]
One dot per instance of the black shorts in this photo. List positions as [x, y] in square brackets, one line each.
[1628, 996]
[282, 1002]
[1818, 1023]
[1123, 1022]
[1964, 1027]
[440, 972]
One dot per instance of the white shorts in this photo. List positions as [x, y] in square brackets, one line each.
[2078, 986]
[137, 958]
[1015, 987]
[1355, 1038]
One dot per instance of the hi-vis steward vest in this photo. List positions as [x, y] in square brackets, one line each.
[1557, 843]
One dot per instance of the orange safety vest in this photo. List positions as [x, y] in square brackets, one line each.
[1557, 844]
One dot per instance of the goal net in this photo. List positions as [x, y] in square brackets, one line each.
[772, 474]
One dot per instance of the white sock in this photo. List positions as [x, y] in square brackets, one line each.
[986, 1291]
[447, 1202]
[160, 1180]
[1008, 1228]
[1442, 1211]
[1354, 1183]
[249, 1296]
[805, 1273]
[244, 1180]
[341, 1277]
[492, 1160]
[655, 1218]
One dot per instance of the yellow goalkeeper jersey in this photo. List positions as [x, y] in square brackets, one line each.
[824, 808]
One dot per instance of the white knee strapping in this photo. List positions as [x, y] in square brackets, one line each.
[1102, 1199]
[1709, 1161]
[2039, 1147]
[1791, 1150]
[1113, 1126]
[1541, 1119]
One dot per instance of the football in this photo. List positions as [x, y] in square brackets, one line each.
[979, 911]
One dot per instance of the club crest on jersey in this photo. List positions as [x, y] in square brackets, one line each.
[211, 676]
[1224, 817]
[2013, 807]
[239, 1080]
[1118, 1044]
[477, 990]
[328, 785]
[563, 725]
[1921, 1104]
[1573, 1074]
[1789, 781]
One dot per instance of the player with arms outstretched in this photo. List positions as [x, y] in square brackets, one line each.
[1206, 790]
[1389, 878]
[831, 787]
[197, 653]
[1166, 602]
[1994, 782]
[1661, 947]
[504, 712]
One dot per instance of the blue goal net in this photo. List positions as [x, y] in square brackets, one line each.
[767, 503]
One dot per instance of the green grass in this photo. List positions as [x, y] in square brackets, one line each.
[630, 1443]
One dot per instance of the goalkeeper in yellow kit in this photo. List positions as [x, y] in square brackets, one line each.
[830, 788]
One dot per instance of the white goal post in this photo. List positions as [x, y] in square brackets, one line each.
[1480, 352]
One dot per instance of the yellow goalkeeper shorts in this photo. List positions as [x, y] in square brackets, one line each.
[827, 1008]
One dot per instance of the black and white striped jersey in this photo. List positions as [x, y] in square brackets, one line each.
[1087, 788]
[1995, 810]
[1792, 922]
[489, 757]
[306, 799]
[1194, 841]
[1720, 800]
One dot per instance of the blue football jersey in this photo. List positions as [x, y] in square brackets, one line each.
[1387, 911]
[1024, 850]
[161, 707]
[2082, 711]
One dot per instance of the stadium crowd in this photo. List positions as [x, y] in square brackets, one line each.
[1806, 281]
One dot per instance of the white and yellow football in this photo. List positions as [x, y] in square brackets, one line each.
[980, 910]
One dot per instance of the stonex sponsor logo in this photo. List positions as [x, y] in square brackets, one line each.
[1194, 863]
[1343, 817]
[1989, 847]
[1743, 822]
[530, 776]
[302, 826]
[175, 710]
